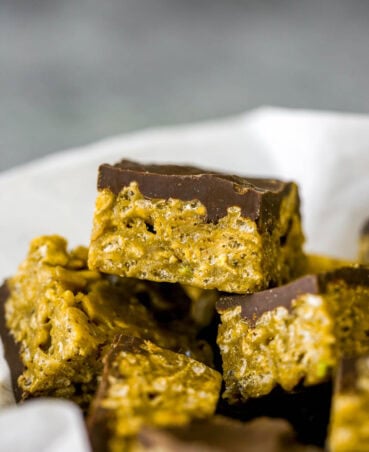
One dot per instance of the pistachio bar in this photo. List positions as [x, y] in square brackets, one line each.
[349, 429]
[293, 334]
[201, 228]
[220, 434]
[143, 384]
[63, 317]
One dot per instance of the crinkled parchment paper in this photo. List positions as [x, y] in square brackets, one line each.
[326, 153]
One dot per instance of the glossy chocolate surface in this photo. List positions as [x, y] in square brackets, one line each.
[257, 198]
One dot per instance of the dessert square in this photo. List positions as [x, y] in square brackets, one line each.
[183, 224]
[146, 385]
[294, 334]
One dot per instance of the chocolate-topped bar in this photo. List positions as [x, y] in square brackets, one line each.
[202, 228]
[349, 425]
[364, 243]
[293, 334]
[143, 384]
[220, 434]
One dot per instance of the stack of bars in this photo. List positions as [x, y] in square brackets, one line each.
[194, 321]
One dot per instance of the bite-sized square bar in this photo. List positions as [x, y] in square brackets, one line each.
[202, 228]
[364, 244]
[63, 316]
[220, 434]
[349, 429]
[293, 334]
[143, 384]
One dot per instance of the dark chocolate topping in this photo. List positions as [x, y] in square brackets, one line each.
[254, 305]
[257, 198]
[11, 348]
[352, 276]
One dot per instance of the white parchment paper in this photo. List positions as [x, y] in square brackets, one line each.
[326, 153]
[43, 425]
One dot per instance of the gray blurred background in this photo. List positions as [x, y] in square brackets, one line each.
[73, 71]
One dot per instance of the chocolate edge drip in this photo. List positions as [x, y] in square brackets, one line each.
[216, 191]
[11, 348]
[254, 305]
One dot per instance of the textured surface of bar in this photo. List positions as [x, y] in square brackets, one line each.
[294, 333]
[349, 429]
[143, 384]
[187, 225]
[364, 244]
[64, 316]
[220, 434]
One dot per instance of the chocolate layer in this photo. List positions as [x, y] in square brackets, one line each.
[254, 305]
[257, 198]
[11, 348]
[352, 276]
